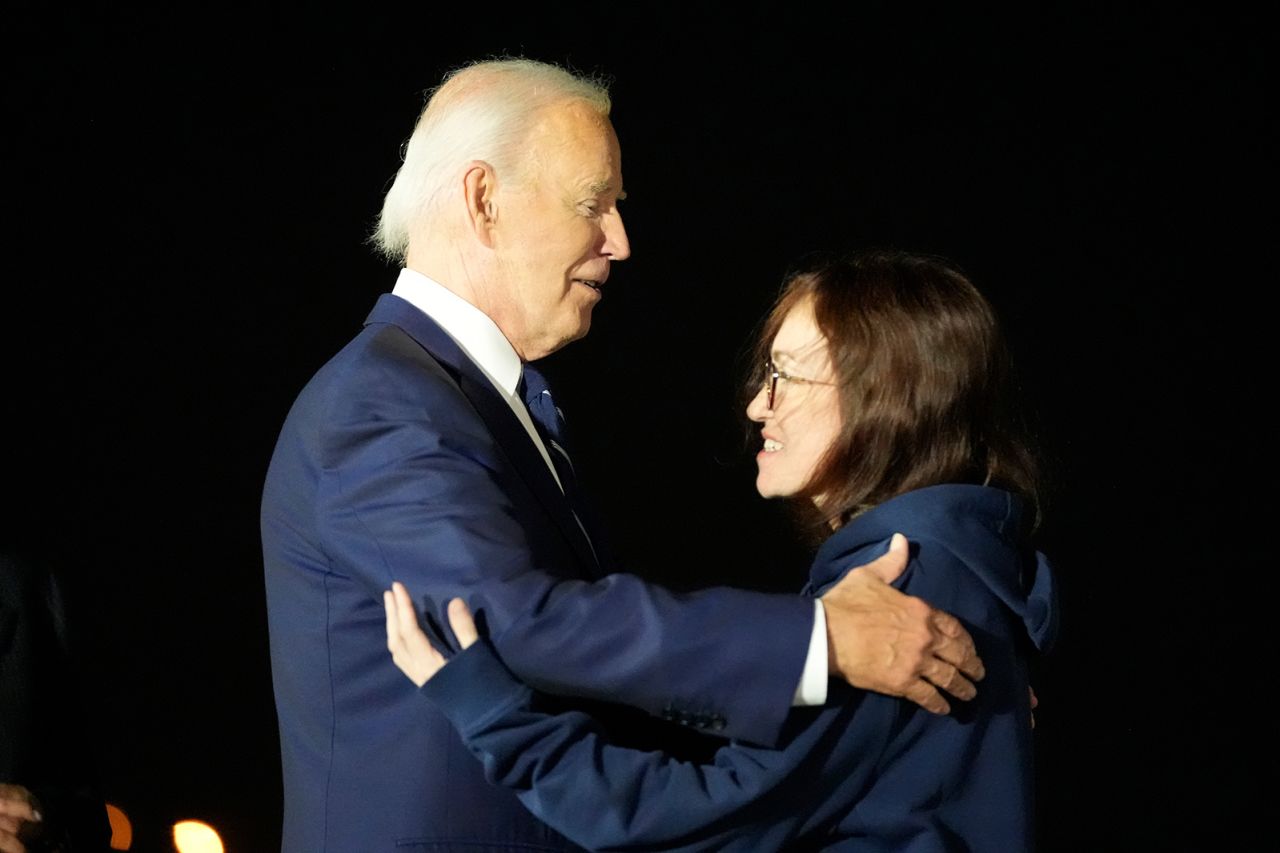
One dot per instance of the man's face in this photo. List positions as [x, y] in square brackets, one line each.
[558, 229]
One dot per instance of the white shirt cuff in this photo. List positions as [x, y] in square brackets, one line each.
[812, 689]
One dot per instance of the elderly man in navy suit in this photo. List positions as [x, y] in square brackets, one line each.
[426, 451]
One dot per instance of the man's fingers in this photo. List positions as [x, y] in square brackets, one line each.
[927, 697]
[956, 646]
[892, 563]
[16, 810]
[9, 842]
[946, 677]
[464, 627]
[15, 802]
[880, 639]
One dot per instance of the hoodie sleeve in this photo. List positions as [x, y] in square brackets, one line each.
[607, 797]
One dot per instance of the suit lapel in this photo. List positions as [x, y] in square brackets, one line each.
[510, 435]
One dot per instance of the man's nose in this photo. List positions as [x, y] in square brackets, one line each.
[616, 244]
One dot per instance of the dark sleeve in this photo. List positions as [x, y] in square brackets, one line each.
[607, 797]
[867, 766]
[416, 490]
[43, 745]
[962, 780]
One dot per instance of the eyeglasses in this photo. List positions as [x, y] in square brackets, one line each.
[771, 376]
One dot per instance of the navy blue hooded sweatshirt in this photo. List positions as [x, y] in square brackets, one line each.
[864, 772]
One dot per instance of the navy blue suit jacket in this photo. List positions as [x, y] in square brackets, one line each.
[867, 772]
[400, 461]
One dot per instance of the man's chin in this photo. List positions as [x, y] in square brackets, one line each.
[561, 341]
[583, 327]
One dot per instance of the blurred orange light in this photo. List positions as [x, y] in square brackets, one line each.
[121, 829]
[192, 836]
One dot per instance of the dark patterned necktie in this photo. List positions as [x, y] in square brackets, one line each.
[550, 421]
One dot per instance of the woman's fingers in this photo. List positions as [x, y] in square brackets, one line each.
[393, 622]
[406, 616]
[464, 627]
[409, 646]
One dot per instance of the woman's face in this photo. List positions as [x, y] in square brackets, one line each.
[805, 418]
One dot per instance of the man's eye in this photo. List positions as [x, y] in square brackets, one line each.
[590, 209]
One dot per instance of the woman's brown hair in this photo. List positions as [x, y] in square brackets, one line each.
[923, 379]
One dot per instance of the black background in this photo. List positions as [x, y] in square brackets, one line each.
[185, 247]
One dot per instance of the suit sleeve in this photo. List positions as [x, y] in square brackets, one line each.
[414, 488]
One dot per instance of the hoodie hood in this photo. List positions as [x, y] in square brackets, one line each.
[981, 527]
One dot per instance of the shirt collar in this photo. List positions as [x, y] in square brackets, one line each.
[471, 329]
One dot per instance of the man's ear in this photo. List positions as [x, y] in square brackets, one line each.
[480, 186]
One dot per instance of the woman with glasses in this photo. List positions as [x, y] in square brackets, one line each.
[883, 409]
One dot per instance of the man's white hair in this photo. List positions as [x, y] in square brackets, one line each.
[479, 112]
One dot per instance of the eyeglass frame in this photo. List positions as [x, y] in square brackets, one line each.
[770, 383]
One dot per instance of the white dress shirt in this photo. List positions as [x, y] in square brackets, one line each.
[477, 336]
[483, 342]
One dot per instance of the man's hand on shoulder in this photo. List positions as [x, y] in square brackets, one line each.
[881, 640]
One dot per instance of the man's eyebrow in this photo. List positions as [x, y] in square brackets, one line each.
[602, 187]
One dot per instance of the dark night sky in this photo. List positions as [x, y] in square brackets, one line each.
[185, 247]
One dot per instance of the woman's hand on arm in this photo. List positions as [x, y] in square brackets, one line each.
[410, 649]
[562, 766]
